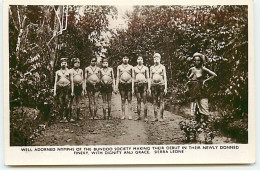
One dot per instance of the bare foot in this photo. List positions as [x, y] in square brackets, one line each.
[156, 119]
[72, 120]
[79, 118]
[137, 118]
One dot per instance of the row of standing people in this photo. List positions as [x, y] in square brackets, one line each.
[70, 85]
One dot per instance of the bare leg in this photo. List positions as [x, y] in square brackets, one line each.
[109, 97]
[72, 107]
[129, 98]
[145, 105]
[123, 98]
[155, 106]
[77, 99]
[95, 103]
[161, 99]
[91, 98]
[61, 106]
[67, 106]
[104, 98]
[138, 96]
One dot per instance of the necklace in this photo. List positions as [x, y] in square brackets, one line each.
[125, 66]
[76, 70]
[94, 69]
[105, 70]
[140, 68]
[158, 67]
[63, 71]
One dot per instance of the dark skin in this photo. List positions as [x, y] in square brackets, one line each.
[107, 96]
[125, 95]
[158, 101]
[197, 72]
[60, 80]
[144, 78]
[94, 78]
[77, 97]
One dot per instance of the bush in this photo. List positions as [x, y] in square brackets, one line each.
[232, 125]
[192, 129]
[24, 126]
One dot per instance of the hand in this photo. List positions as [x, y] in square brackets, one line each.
[114, 90]
[204, 84]
[72, 94]
[82, 93]
[149, 91]
[165, 91]
[54, 94]
[133, 91]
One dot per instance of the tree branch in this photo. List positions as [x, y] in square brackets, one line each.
[19, 18]
[15, 24]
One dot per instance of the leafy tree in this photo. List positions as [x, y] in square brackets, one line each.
[177, 32]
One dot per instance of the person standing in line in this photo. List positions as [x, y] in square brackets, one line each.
[158, 86]
[63, 88]
[77, 78]
[197, 76]
[107, 86]
[125, 86]
[92, 84]
[141, 82]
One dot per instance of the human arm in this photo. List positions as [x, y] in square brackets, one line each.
[83, 82]
[99, 74]
[211, 73]
[72, 83]
[117, 77]
[148, 80]
[55, 83]
[85, 79]
[165, 80]
[189, 75]
[133, 80]
[113, 79]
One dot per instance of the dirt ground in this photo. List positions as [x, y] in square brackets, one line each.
[117, 131]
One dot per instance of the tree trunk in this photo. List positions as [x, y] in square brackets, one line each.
[56, 29]
[19, 38]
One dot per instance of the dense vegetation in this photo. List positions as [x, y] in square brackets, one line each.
[176, 32]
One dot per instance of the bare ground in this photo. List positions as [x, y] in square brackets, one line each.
[117, 131]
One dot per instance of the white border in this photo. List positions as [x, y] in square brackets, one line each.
[246, 153]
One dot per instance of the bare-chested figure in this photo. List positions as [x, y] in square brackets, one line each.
[92, 83]
[124, 84]
[197, 76]
[158, 86]
[63, 88]
[107, 85]
[141, 82]
[77, 78]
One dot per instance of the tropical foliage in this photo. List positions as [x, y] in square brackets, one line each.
[40, 35]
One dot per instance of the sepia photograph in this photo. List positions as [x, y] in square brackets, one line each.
[128, 75]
